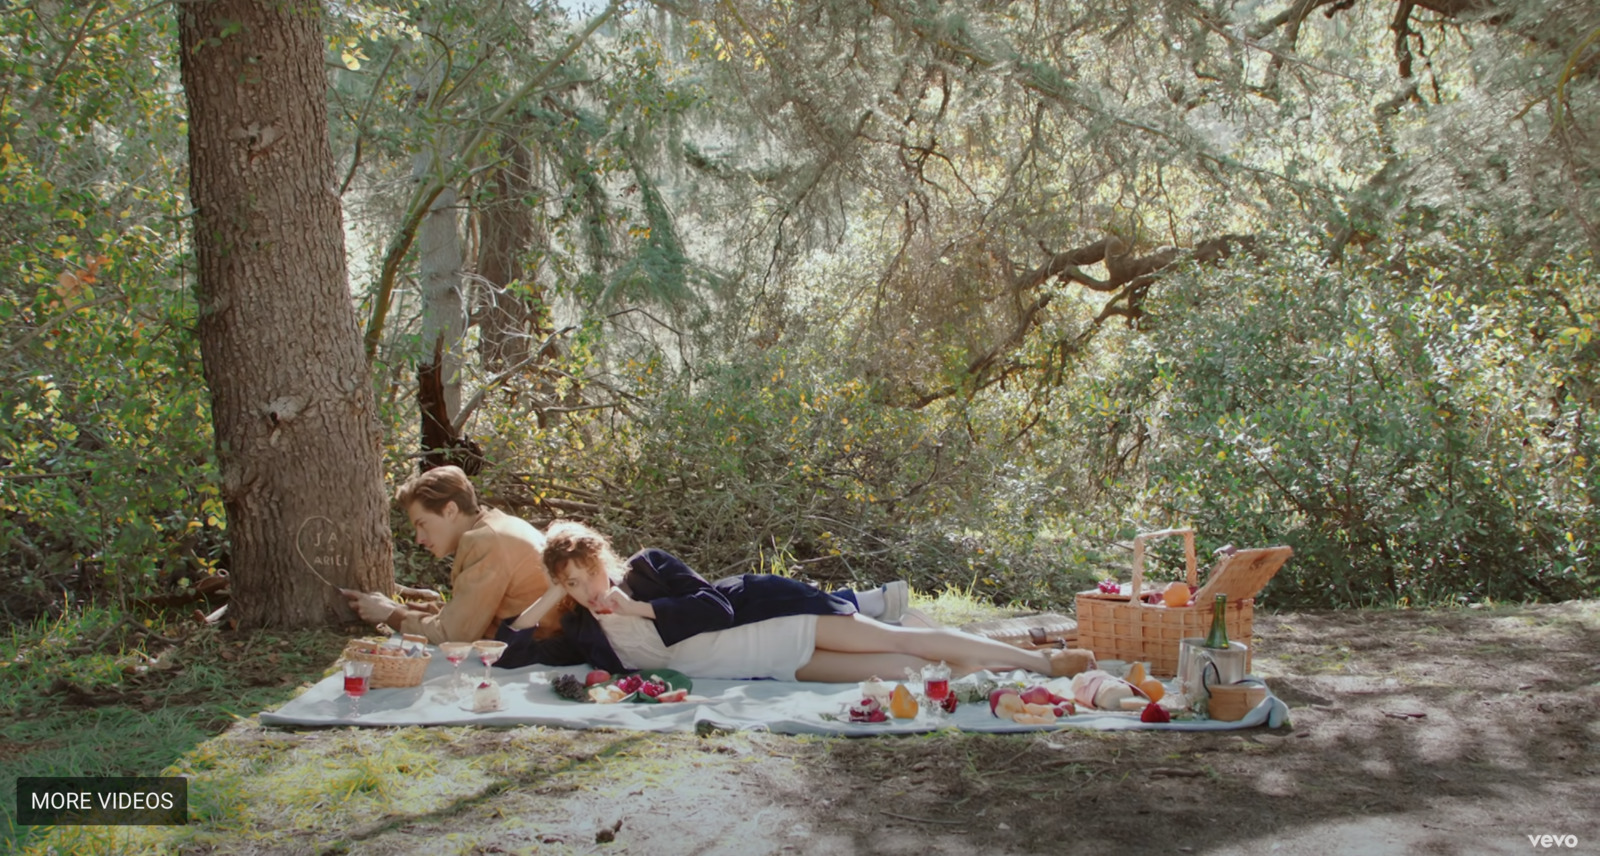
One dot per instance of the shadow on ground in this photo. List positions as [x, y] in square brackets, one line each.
[1468, 730]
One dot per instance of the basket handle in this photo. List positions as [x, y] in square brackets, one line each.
[1138, 556]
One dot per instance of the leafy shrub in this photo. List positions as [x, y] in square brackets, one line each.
[1414, 435]
[773, 464]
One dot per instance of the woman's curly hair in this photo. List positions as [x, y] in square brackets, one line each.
[568, 541]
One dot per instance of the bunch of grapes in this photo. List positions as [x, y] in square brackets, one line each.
[569, 687]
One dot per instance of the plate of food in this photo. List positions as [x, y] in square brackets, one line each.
[647, 686]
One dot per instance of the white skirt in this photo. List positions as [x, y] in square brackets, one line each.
[775, 648]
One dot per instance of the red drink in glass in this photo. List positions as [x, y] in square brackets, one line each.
[936, 688]
[355, 686]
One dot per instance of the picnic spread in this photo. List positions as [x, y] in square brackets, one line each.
[1171, 657]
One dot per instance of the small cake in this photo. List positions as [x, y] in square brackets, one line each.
[486, 698]
[868, 711]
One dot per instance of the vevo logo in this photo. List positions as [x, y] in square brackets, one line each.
[1553, 840]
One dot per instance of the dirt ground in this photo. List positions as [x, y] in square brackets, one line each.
[1463, 731]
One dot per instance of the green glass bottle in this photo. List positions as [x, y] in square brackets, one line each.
[1218, 637]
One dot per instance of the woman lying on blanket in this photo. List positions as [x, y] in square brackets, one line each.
[653, 612]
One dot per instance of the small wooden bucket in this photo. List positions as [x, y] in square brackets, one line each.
[1232, 702]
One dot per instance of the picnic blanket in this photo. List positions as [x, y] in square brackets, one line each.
[781, 707]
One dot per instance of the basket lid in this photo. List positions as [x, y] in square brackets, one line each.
[1243, 574]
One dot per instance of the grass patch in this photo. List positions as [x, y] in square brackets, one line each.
[954, 606]
[98, 693]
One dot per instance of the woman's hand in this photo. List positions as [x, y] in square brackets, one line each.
[616, 600]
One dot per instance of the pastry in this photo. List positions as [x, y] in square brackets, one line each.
[486, 698]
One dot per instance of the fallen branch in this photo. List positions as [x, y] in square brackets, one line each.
[923, 819]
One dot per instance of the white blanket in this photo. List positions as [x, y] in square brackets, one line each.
[778, 706]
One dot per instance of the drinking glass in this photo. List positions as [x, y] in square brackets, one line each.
[357, 678]
[488, 651]
[936, 685]
[455, 652]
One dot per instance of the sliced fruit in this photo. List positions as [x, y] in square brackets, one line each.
[1010, 706]
[598, 676]
[671, 696]
[997, 695]
[1036, 695]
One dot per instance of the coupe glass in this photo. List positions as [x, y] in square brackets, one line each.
[488, 651]
[357, 678]
[455, 652]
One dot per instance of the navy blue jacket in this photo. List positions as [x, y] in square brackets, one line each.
[685, 605]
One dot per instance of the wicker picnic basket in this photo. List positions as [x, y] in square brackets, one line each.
[390, 669]
[1124, 627]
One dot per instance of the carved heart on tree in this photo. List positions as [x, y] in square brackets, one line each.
[324, 547]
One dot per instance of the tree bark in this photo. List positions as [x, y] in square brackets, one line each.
[444, 319]
[507, 322]
[297, 436]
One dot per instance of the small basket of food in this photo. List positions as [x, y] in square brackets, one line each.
[393, 665]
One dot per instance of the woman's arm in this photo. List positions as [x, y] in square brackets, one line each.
[536, 611]
[522, 649]
[682, 602]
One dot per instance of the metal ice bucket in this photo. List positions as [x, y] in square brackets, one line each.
[1200, 668]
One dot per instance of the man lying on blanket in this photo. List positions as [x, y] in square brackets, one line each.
[499, 567]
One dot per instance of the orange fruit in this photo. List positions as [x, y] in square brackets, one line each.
[1176, 594]
[1153, 688]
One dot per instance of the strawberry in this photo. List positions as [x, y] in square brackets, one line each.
[1154, 713]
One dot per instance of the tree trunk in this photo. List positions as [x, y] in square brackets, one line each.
[296, 430]
[504, 316]
[444, 319]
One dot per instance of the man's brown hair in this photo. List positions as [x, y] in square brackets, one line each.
[437, 488]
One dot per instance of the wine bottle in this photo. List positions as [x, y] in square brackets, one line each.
[1218, 637]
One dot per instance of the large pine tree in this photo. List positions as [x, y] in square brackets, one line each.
[297, 437]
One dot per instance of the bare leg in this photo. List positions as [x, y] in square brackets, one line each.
[836, 667]
[965, 652]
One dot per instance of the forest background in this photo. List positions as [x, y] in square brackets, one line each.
[961, 293]
[964, 293]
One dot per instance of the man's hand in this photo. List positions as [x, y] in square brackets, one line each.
[373, 608]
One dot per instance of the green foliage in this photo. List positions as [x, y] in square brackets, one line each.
[1413, 426]
[778, 464]
[106, 446]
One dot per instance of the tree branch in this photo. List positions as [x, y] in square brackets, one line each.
[422, 198]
